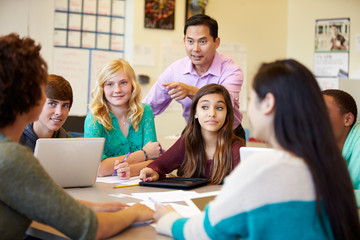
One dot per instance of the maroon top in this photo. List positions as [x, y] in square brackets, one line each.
[173, 158]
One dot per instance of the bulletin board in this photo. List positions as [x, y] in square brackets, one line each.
[87, 34]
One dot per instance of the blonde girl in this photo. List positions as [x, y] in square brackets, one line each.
[117, 114]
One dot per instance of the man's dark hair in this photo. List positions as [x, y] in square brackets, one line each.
[202, 19]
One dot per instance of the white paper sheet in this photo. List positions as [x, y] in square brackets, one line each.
[166, 197]
[117, 180]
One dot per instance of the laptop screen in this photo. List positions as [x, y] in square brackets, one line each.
[71, 162]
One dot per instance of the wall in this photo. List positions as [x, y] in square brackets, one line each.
[268, 29]
[29, 18]
[301, 30]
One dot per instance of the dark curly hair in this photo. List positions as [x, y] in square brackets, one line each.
[22, 72]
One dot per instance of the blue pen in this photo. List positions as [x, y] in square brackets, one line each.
[128, 154]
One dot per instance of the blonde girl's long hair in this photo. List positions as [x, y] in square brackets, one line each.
[195, 161]
[99, 105]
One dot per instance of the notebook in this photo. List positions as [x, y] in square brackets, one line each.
[248, 151]
[71, 162]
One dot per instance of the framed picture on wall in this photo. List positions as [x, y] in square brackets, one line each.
[194, 7]
[160, 14]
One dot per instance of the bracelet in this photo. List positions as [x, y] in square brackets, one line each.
[146, 156]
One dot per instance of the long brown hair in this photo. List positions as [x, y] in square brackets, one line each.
[302, 126]
[195, 161]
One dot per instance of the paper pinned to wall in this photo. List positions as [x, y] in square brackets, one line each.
[143, 55]
[171, 50]
[237, 52]
[328, 82]
[357, 42]
[90, 6]
[98, 60]
[73, 65]
[61, 5]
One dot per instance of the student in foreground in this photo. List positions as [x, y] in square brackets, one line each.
[208, 148]
[59, 98]
[27, 192]
[117, 114]
[302, 190]
[343, 112]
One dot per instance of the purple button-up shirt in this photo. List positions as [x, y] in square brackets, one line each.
[223, 71]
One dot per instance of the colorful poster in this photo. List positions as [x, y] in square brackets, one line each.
[160, 14]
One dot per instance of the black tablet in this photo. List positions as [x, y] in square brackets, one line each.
[177, 182]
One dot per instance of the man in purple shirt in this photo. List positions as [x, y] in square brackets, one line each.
[202, 66]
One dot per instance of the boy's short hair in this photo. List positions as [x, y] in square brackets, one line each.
[59, 88]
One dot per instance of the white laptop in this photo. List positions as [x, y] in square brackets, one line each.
[71, 162]
[248, 151]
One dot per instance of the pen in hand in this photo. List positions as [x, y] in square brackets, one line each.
[128, 154]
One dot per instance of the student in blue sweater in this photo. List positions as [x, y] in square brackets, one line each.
[302, 190]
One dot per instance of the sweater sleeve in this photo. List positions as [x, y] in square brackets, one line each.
[351, 153]
[158, 96]
[149, 125]
[171, 159]
[32, 193]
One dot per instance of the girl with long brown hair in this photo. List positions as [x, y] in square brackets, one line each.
[208, 148]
